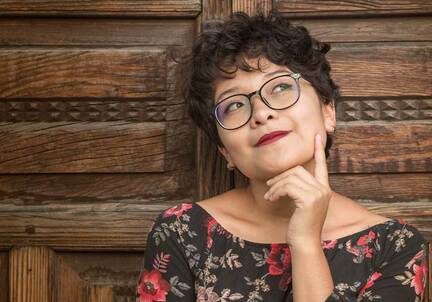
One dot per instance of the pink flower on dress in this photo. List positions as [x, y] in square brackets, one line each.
[178, 210]
[328, 245]
[211, 225]
[153, 287]
[279, 260]
[419, 280]
[365, 239]
[370, 282]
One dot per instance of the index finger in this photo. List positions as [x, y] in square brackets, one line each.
[320, 172]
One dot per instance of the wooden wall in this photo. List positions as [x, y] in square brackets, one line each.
[95, 143]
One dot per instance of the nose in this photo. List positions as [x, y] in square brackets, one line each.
[261, 113]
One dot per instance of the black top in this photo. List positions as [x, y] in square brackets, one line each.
[191, 257]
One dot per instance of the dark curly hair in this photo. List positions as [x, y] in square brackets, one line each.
[223, 47]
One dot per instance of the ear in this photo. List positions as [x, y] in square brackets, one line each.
[227, 156]
[329, 115]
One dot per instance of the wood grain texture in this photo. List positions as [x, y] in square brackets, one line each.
[85, 226]
[4, 276]
[95, 32]
[31, 274]
[418, 214]
[82, 147]
[119, 270]
[381, 148]
[391, 29]
[160, 8]
[251, 7]
[48, 73]
[308, 8]
[100, 293]
[384, 187]
[382, 69]
[69, 286]
[216, 10]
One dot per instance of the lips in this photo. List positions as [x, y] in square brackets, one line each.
[271, 137]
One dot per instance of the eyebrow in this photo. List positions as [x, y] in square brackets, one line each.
[232, 89]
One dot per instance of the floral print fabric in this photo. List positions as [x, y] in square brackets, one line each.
[191, 257]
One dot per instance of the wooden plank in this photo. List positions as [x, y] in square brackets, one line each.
[40, 189]
[379, 147]
[309, 8]
[397, 187]
[160, 8]
[43, 73]
[92, 32]
[382, 69]
[216, 10]
[4, 276]
[392, 29]
[418, 214]
[117, 226]
[31, 274]
[82, 147]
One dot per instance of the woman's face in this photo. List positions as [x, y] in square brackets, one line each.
[303, 121]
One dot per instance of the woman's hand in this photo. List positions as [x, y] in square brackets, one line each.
[311, 195]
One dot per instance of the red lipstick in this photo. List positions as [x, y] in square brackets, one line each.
[271, 137]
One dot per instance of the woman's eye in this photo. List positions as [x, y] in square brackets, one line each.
[233, 106]
[281, 87]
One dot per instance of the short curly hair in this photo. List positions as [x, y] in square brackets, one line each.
[223, 47]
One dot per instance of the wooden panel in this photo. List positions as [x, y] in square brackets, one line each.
[84, 73]
[307, 8]
[69, 287]
[30, 274]
[174, 8]
[398, 187]
[113, 32]
[381, 147]
[370, 29]
[4, 277]
[382, 69]
[216, 9]
[81, 226]
[419, 214]
[116, 274]
[251, 7]
[82, 147]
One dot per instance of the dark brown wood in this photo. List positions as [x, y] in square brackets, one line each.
[69, 286]
[97, 31]
[393, 29]
[380, 148]
[82, 147]
[31, 272]
[4, 274]
[308, 8]
[81, 226]
[99, 73]
[384, 187]
[216, 10]
[160, 8]
[382, 69]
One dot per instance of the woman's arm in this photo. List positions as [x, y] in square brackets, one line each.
[312, 280]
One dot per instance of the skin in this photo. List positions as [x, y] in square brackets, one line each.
[288, 199]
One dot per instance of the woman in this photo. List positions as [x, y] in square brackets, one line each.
[260, 88]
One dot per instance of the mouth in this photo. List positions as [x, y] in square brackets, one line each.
[271, 137]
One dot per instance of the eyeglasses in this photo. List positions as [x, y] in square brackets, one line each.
[278, 93]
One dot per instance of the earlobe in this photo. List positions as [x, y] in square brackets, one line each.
[329, 113]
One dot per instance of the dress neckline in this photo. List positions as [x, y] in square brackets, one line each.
[323, 242]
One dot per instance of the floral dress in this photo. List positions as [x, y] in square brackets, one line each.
[191, 257]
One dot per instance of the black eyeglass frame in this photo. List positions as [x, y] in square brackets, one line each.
[295, 75]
